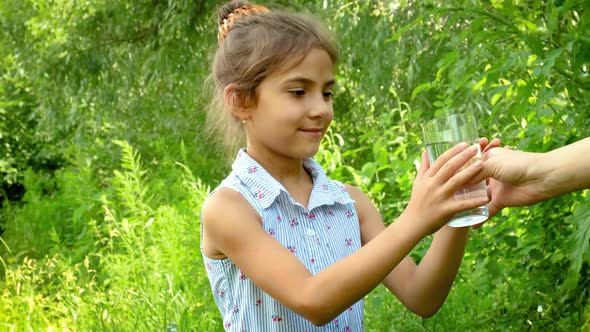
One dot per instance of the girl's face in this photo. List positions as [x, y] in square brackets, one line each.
[293, 109]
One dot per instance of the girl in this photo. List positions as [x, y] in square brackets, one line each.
[286, 248]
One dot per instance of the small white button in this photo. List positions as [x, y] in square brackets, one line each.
[310, 232]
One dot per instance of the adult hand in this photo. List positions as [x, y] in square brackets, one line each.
[519, 178]
[511, 183]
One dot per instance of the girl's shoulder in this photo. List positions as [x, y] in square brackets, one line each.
[224, 198]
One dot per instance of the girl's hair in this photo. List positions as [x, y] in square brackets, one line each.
[254, 43]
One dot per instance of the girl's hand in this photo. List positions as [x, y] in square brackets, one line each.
[486, 145]
[433, 194]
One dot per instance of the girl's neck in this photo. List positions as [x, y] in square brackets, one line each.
[288, 171]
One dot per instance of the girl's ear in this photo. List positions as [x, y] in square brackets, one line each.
[236, 101]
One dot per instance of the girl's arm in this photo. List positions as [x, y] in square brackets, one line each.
[233, 226]
[232, 229]
[421, 288]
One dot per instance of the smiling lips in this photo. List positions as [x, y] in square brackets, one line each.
[314, 132]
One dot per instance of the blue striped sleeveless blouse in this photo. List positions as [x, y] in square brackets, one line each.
[325, 232]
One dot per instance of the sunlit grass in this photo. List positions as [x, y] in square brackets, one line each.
[137, 267]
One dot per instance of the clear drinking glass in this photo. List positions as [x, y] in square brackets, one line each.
[441, 134]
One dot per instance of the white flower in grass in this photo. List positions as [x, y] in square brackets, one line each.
[540, 309]
[149, 222]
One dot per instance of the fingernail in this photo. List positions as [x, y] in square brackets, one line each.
[462, 144]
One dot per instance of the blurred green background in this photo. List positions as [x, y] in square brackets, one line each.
[104, 163]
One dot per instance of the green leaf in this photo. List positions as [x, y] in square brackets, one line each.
[369, 169]
[511, 241]
[580, 238]
[420, 88]
[495, 98]
[480, 83]
[356, 177]
[536, 254]
[493, 268]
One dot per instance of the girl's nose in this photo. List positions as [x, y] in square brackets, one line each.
[321, 106]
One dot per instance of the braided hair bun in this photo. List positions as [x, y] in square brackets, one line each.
[231, 12]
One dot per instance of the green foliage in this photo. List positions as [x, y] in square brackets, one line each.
[522, 69]
[105, 240]
[83, 75]
[580, 240]
[134, 266]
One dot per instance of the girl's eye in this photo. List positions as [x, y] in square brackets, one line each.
[328, 94]
[297, 92]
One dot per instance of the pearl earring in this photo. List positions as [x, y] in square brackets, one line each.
[243, 122]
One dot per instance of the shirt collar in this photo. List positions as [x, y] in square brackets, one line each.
[266, 188]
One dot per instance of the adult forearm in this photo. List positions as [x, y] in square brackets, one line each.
[566, 169]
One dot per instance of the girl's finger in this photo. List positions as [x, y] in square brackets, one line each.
[463, 178]
[467, 204]
[482, 175]
[457, 162]
[495, 143]
[446, 156]
[483, 142]
[425, 165]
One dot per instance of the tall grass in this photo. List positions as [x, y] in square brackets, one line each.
[111, 259]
